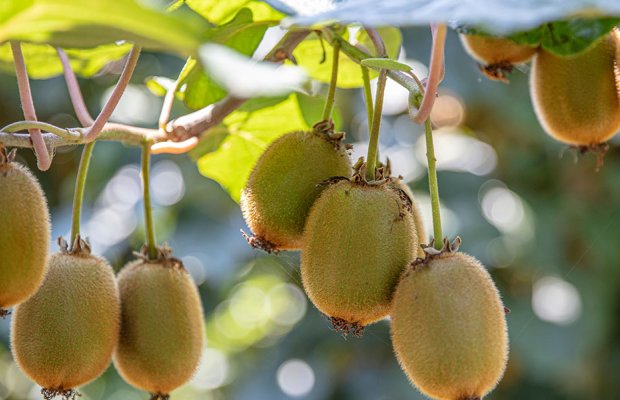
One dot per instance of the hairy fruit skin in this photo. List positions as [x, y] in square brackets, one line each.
[64, 335]
[285, 183]
[577, 98]
[496, 51]
[418, 219]
[449, 329]
[357, 241]
[162, 329]
[24, 235]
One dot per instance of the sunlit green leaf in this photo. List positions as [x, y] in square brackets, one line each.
[249, 134]
[89, 23]
[242, 34]
[42, 60]
[317, 58]
[218, 12]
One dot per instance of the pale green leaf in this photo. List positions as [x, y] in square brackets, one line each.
[42, 60]
[219, 12]
[89, 23]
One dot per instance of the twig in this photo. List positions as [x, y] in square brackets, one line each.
[74, 90]
[175, 147]
[69, 134]
[377, 41]
[435, 74]
[43, 157]
[117, 93]
[194, 124]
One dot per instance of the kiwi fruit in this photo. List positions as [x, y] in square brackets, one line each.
[358, 239]
[25, 233]
[285, 182]
[496, 55]
[449, 328]
[162, 326]
[64, 335]
[576, 97]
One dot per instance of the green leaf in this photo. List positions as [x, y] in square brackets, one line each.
[385, 63]
[42, 60]
[241, 34]
[249, 134]
[218, 12]
[317, 58]
[89, 23]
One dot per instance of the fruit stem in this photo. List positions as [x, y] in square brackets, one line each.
[148, 215]
[367, 94]
[80, 185]
[373, 145]
[432, 185]
[331, 93]
[44, 160]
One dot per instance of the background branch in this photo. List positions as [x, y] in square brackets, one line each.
[74, 90]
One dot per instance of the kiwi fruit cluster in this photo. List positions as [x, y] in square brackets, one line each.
[73, 316]
[576, 97]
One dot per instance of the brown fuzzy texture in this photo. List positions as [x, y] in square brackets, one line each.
[577, 98]
[285, 183]
[418, 219]
[358, 240]
[24, 234]
[64, 335]
[162, 330]
[496, 51]
[449, 329]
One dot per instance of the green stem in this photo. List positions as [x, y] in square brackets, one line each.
[432, 185]
[80, 185]
[367, 94]
[68, 134]
[148, 214]
[373, 145]
[331, 93]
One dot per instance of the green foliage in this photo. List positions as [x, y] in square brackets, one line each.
[249, 133]
[42, 60]
[314, 54]
[218, 12]
[90, 23]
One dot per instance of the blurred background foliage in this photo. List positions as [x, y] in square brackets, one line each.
[536, 214]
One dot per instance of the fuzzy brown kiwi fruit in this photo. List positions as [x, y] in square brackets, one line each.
[162, 327]
[577, 98]
[24, 235]
[285, 182]
[449, 328]
[357, 241]
[64, 335]
[496, 55]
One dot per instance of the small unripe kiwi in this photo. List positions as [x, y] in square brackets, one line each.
[162, 326]
[24, 234]
[285, 182]
[577, 98]
[64, 335]
[449, 329]
[357, 241]
[496, 55]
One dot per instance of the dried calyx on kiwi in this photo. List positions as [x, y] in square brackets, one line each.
[285, 183]
[25, 232]
[448, 325]
[358, 239]
[162, 329]
[63, 336]
[496, 55]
